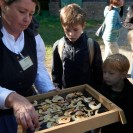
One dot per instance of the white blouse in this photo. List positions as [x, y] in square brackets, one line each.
[43, 82]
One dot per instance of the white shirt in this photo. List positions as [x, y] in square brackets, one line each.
[43, 82]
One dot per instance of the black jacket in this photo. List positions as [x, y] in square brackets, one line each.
[124, 100]
[74, 68]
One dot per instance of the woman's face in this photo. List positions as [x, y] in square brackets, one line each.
[17, 16]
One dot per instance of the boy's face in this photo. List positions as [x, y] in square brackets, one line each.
[112, 77]
[73, 32]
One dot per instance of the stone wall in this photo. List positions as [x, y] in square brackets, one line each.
[94, 10]
[54, 8]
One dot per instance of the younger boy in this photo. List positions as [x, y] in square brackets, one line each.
[119, 90]
[74, 67]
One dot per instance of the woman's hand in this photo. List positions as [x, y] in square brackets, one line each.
[23, 110]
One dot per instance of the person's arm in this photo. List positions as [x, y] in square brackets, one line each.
[23, 110]
[43, 81]
[57, 69]
[3, 95]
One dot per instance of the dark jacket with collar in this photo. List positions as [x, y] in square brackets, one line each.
[124, 101]
[74, 68]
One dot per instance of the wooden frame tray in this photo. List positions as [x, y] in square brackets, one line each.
[112, 115]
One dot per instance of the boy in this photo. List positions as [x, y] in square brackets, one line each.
[74, 67]
[119, 90]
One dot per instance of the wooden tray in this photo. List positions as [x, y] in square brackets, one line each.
[112, 115]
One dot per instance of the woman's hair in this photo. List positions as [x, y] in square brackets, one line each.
[130, 35]
[72, 14]
[117, 62]
[9, 2]
[113, 3]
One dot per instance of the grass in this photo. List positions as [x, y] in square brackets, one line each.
[51, 30]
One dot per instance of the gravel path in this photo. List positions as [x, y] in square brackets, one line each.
[123, 37]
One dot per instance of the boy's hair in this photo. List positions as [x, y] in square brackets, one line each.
[117, 62]
[72, 14]
[130, 35]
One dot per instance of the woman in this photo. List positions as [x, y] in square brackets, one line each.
[113, 25]
[21, 65]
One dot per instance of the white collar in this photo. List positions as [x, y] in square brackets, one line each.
[9, 41]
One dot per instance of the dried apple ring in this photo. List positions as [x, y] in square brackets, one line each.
[63, 119]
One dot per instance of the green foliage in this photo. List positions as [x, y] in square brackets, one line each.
[50, 30]
[93, 23]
